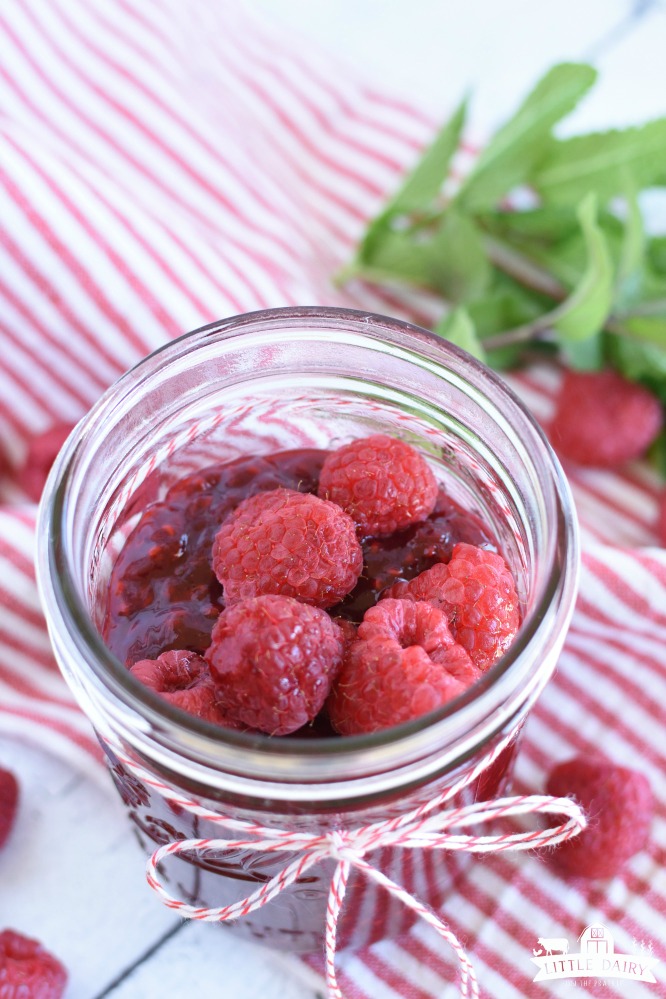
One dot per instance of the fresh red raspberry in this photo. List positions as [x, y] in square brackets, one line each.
[604, 420]
[287, 543]
[27, 970]
[183, 679]
[382, 483]
[9, 795]
[619, 806]
[42, 452]
[273, 660]
[404, 664]
[477, 592]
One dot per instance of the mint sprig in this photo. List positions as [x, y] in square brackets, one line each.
[575, 276]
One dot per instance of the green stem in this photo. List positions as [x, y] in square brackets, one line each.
[523, 270]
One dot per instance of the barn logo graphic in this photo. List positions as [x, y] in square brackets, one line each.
[596, 958]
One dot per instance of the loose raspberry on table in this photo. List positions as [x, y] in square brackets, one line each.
[27, 970]
[9, 796]
[604, 420]
[273, 660]
[42, 452]
[619, 805]
[383, 484]
[477, 592]
[403, 664]
[287, 543]
[182, 678]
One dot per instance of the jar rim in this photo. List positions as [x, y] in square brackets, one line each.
[493, 697]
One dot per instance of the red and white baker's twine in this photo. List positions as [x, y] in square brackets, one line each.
[425, 828]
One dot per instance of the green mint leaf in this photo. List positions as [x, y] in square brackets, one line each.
[601, 162]
[458, 328]
[585, 311]
[450, 260]
[638, 361]
[417, 193]
[422, 186]
[585, 355]
[631, 265]
[651, 329]
[509, 157]
[656, 253]
[463, 271]
[657, 454]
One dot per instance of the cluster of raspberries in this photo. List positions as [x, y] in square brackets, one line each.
[277, 655]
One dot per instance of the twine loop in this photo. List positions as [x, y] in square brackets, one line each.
[427, 827]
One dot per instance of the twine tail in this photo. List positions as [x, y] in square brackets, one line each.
[336, 896]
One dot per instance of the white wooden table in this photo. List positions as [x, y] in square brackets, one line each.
[72, 873]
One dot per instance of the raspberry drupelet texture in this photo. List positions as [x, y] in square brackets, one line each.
[287, 543]
[27, 970]
[9, 795]
[183, 679]
[403, 664]
[382, 483]
[477, 592]
[619, 805]
[604, 420]
[273, 660]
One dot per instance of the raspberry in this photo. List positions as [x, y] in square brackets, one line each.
[273, 660]
[9, 795]
[619, 806]
[27, 971]
[288, 543]
[382, 483]
[604, 420]
[477, 592]
[183, 679]
[404, 664]
[42, 452]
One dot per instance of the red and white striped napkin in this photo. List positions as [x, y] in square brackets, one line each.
[168, 164]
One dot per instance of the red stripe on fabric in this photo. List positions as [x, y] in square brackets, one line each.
[30, 648]
[245, 42]
[50, 292]
[42, 361]
[622, 589]
[143, 126]
[351, 111]
[95, 293]
[317, 183]
[27, 385]
[128, 158]
[176, 239]
[83, 742]
[23, 686]
[163, 317]
[197, 135]
[10, 602]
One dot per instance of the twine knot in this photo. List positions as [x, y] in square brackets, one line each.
[427, 827]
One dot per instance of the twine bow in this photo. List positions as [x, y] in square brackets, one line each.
[426, 828]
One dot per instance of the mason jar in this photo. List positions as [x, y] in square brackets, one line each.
[253, 385]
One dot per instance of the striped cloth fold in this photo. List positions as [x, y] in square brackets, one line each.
[165, 165]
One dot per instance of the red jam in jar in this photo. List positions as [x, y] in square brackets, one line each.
[126, 528]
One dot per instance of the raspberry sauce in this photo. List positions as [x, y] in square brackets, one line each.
[163, 594]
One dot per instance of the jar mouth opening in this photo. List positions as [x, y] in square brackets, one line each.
[493, 696]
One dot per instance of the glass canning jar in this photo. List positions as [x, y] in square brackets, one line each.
[255, 384]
